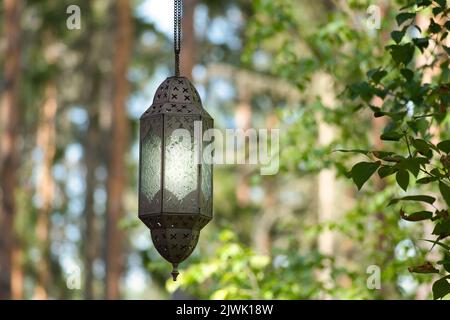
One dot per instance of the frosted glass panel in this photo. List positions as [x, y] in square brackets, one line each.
[207, 173]
[151, 166]
[206, 181]
[180, 167]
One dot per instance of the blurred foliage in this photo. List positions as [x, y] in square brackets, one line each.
[295, 43]
[234, 271]
[415, 98]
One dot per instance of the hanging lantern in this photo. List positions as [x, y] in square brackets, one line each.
[175, 182]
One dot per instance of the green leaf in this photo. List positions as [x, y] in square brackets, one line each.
[397, 36]
[446, 262]
[407, 74]
[395, 158]
[444, 146]
[402, 17]
[413, 164]
[423, 147]
[447, 265]
[436, 172]
[427, 199]
[425, 268]
[445, 191]
[343, 170]
[402, 178]
[361, 172]
[421, 43]
[434, 242]
[434, 27]
[364, 152]
[418, 125]
[416, 216]
[437, 10]
[419, 3]
[402, 53]
[374, 108]
[426, 180]
[442, 3]
[363, 90]
[391, 136]
[420, 145]
[382, 154]
[376, 74]
[396, 116]
[447, 49]
[386, 171]
[432, 146]
[379, 114]
[441, 288]
[442, 229]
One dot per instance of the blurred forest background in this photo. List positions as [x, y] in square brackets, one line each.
[70, 104]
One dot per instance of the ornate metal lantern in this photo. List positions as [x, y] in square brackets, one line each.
[175, 182]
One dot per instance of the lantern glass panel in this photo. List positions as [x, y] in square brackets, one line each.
[180, 165]
[207, 168]
[150, 175]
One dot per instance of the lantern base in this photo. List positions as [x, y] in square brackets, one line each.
[175, 272]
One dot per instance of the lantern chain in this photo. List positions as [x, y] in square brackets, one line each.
[178, 13]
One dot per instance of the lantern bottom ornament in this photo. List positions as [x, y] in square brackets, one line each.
[175, 177]
[176, 236]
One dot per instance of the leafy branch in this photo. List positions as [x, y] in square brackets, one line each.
[415, 111]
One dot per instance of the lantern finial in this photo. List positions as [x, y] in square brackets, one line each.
[175, 272]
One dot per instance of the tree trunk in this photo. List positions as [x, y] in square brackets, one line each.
[118, 149]
[46, 142]
[188, 53]
[97, 102]
[91, 161]
[264, 224]
[323, 87]
[9, 146]
[17, 276]
[90, 239]
[243, 118]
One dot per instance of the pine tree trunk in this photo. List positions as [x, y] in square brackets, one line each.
[118, 149]
[243, 118]
[9, 146]
[323, 87]
[17, 274]
[46, 142]
[90, 239]
[91, 162]
[266, 221]
[188, 52]
[97, 101]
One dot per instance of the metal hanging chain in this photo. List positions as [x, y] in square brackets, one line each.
[178, 13]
